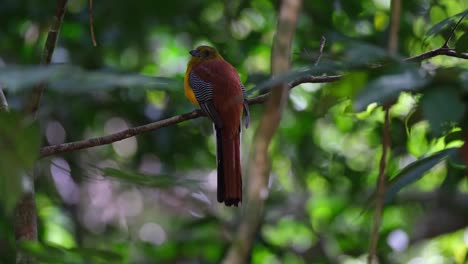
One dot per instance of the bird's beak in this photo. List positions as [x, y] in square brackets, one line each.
[195, 53]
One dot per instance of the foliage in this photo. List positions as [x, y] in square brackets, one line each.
[151, 198]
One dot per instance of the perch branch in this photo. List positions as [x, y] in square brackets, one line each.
[98, 141]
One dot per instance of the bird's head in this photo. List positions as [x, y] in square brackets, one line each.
[204, 53]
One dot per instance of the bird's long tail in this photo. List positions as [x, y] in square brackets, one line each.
[229, 168]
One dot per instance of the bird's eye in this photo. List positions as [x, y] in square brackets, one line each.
[206, 53]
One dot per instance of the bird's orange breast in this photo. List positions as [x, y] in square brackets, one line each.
[187, 88]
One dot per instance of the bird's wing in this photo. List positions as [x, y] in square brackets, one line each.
[246, 107]
[204, 94]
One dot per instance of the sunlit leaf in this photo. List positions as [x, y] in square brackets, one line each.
[159, 181]
[388, 87]
[415, 171]
[72, 79]
[452, 136]
[19, 148]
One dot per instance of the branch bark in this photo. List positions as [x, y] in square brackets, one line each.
[258, 169]
[52, 36]
[3, 101]
[108, 139]
[440, 51]
[88, 143]
[25, 213]
[382, 178]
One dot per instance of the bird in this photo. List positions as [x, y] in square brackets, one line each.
[213, 84]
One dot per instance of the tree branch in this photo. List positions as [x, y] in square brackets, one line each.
[440, 51]
[25, 211]
[98, 141]
[93, 142]
[382, 178]
[381, 186]
[35, 98]
[3, 101]
[91, 23]
[258, 166]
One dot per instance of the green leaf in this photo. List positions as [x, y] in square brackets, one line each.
[442, 107]
[462, 43]
[159, 181]
[388, 87]
[72, 79]
[415, 171]
[442, 25]
[19, 149]
[452, 136]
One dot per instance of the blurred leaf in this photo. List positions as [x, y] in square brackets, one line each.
[19, 149]
[349, 86]
[462, 43]
[442, 107]
[159, 181]
[387, 87]
[415, 171]
[72, 79]
[361, 54]
[7, 239]
[453, 177]
[55, 254]
[442, 25]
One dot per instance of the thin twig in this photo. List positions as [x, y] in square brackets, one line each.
[52, 36]
[381, 185]
[382, 178]
[323, 40]
[452, 32]
[3, 101]
[91, 23]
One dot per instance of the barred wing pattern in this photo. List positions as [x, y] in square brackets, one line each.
[204, 94]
